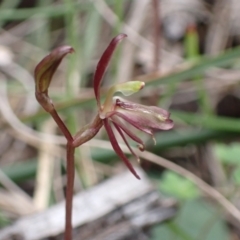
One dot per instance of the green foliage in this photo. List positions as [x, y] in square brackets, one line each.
[4, 221]
[196, 220]
[212, 122]
[20, 172]
[228, 154]
[177, 186]
[236, 176]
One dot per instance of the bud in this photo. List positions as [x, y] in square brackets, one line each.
[43, 75]
[46, 68]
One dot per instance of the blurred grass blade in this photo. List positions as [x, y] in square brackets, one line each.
[206, 121]
[191, 43]
[50, 11]
[90, 40]
[198, 68]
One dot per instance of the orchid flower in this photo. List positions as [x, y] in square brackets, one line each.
[115, 110]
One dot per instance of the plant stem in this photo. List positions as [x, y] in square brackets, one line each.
[69, 191]
[70, 173]
[85, 134]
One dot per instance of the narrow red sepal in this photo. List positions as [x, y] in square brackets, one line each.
[117, 149]
[103, 64]
[133, 136]
[125, 140]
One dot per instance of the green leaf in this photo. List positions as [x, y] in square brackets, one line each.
[4, 221]
[236, 176]
[177, 186]
[51, 11]
[20, 172]
[198, 67]
[196, 220]
[207, 121]
[228, 154]
[191, 43]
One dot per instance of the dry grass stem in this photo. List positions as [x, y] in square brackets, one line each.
[136, 21]
[58, 184]
[21, 129]
[88, 168]
[22, 203]
[112, 19]
[44, 176]
[219, 28]
[156, 34]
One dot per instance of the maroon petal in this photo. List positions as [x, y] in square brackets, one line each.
[153, 110]
[132, 122]
[125, 140]
[145, 116]
[146, 121]
[103, 64]
[129, 133]
[117, 149]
